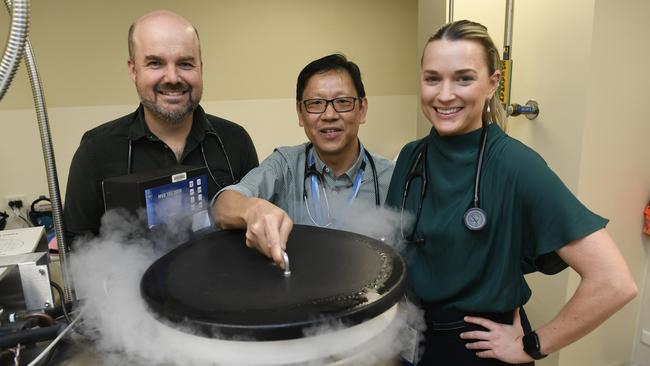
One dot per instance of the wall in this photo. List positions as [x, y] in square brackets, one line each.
[252, 52]
[583, 60]
[592, 135]
[432, 14]
[615, 168]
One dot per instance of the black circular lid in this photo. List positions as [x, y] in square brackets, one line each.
[219, 287]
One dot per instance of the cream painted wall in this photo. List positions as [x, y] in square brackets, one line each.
[589, 131]
[432, 14]
[252, 52]
[545, 69]
[564, 58]
[252, 49]
[615, 168]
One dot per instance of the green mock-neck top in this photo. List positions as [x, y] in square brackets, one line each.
[530, 214]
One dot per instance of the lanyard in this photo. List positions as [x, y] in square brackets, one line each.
[317, 177]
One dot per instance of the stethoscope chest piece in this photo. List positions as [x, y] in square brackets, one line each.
[475, 218]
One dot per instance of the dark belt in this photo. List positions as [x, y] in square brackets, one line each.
[440, 320]
[443, 345]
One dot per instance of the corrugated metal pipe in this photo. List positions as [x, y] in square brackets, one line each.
[48, 156]
[15, 44]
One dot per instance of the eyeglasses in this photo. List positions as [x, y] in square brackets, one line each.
[317, 106]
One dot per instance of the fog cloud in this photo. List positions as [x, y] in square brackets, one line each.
[107, 272]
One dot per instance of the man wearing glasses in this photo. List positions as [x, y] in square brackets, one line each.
[306, 183]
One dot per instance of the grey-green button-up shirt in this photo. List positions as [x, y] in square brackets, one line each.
[280, 179]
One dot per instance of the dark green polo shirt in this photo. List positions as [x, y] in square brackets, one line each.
[104, 150]
[530, 214]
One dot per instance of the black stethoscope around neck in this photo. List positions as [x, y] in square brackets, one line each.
[316, 179]
[129, 164]
[474, 218]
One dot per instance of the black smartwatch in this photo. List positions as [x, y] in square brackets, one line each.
[532, 346]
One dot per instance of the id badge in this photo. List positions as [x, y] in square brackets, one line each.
[411, 345]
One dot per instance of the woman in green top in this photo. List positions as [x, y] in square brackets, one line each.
[487, 210]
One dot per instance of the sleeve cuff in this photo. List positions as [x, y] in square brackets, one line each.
[235, 187]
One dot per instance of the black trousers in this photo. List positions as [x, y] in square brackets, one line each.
[443, 345]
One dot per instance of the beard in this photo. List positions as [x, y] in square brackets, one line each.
[171, 116]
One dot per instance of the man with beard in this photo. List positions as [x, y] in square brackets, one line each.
[169, 127]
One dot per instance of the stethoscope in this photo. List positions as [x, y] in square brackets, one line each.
[474, 218]
[316, 178]
[205, 161]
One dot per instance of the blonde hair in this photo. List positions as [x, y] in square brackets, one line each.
[472, 31]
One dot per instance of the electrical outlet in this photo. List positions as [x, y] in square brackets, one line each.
[645, 337]
[14, 197]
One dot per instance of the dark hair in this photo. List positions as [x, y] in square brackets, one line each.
[331, 62]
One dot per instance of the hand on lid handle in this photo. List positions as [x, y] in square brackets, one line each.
[267, 226]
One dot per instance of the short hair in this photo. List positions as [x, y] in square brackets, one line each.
[472, 31]
[336, 61]
[130, 39]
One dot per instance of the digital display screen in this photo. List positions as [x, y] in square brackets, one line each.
[181, 199]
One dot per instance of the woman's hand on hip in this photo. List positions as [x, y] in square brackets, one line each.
[500, 341]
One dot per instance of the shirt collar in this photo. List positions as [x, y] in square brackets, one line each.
[350, 173]
[139, 128]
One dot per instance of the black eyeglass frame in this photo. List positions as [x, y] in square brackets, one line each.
[330, 101]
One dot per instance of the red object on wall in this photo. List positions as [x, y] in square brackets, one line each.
[646, 226]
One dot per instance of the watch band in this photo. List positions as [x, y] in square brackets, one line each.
[532, 346]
